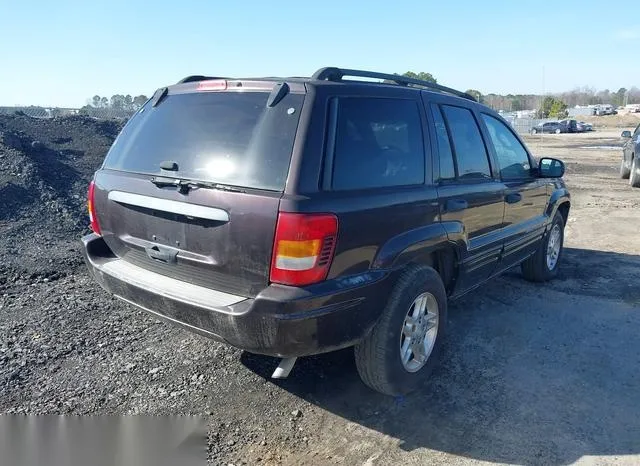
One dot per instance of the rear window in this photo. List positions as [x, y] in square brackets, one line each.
[223, 137]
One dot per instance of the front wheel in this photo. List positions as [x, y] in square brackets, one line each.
[558, 131]
[543, 264]
[634, 175]
[624, 170]
[403, 347]
[534, 131]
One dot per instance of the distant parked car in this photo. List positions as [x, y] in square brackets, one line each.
[582, 127]
[554, 127]
[604, 109]
[629, 166]
[585, 126]
[571, 126]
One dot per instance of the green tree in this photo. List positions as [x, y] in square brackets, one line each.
[594, 100]
[117, 101]
[618, 98]
[558, 109]
[128, 102]
[139, 101]
[104, 102]
[517, 104]
[95, 102]
[476, 94]
[552, 108]
[421, 76]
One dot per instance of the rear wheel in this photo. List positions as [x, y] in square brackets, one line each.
[403, 347]
[625, 171]
[634, 176]
[543, 265]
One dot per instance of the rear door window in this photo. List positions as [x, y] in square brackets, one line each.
[470, 151]
[224, 137]
[512, 156]
[378, 143]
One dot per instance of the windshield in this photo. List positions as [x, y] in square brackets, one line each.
[223, 137]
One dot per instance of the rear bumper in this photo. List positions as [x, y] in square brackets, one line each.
[280, 321]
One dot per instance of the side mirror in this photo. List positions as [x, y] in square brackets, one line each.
[626, 134]
[550, 168]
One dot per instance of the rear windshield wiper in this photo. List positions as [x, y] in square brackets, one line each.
[184, 186]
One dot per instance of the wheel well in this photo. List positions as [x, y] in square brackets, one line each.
[564, 210]
[446, 264]
[444, 261]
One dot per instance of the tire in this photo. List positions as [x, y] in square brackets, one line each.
[537, 268]
[534, 131]
[558, 131]
[625, 171]
[634, 176]
[378, 356]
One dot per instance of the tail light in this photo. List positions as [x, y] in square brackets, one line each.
[95, 226]
[303, 248]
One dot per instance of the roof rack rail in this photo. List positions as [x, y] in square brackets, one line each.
[336, 74]
[197, 77]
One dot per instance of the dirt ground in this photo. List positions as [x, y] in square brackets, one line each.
[531, 374]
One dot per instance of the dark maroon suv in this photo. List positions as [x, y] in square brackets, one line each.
[295, 216]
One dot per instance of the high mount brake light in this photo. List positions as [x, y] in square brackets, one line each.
[213, 85]
[303, 248]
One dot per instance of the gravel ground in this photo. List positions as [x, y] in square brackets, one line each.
[532, 374]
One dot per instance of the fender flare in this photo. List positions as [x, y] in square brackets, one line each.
[417, 246]
[558, 197]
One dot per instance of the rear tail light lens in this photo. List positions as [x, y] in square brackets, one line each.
[303, 248]
[95, 226]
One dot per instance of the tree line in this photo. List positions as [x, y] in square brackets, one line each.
[549, 105]
[117, 102]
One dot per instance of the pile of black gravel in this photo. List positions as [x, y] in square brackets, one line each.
[45, 168]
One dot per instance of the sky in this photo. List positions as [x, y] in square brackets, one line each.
[62, 52]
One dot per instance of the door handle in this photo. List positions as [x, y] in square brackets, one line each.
[161, 254]
[513, 198]
[455, 205]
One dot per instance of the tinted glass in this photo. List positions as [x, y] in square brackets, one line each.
[512, 156]
[224, 137]
[471, 154]
[378, 143]
[447, 170]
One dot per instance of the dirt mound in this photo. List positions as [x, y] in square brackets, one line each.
[45, 167]
[622, 120]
